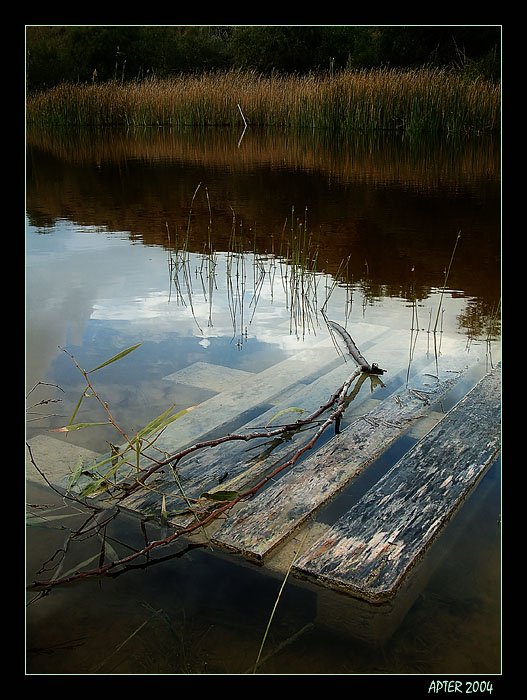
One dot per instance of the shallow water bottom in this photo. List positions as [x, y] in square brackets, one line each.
[196, 610]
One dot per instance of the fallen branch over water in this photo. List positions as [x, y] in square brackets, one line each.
[353, 349]
[173, 459]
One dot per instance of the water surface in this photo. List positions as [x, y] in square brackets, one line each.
[182, 241]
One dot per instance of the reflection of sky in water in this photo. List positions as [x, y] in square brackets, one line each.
[80, 278]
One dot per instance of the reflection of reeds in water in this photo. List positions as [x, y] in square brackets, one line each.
[236, 282]
[437, 331]
[493, 330]
[295, 261]
[483, 324]
[434, 335]
[300, 279]
[179, 265]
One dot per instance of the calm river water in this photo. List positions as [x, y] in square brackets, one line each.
[184, 242]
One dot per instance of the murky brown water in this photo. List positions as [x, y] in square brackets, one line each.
[104, 213]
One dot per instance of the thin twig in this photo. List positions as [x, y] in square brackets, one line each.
[96, 395]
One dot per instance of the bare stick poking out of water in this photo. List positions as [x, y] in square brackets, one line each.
[353, 349]
[244, 128]
[244, 120]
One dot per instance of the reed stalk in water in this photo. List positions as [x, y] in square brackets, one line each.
[447, 273]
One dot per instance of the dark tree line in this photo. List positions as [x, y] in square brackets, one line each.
[57, 54]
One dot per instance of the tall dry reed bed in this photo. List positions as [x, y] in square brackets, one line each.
[417, 100]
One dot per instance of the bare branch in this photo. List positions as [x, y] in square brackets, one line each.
[340, 397]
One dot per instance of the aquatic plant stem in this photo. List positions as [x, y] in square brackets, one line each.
[297, 554]
[446, 279]
[104, 404]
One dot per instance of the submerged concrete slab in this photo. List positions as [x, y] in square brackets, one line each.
[370, 548]
[265, 521]
[55, 458]
[209, 376]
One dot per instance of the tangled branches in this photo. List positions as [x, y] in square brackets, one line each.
[338, 401]
[224, 501]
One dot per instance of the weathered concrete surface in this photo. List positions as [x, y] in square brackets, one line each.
[263, 523]
[369, 550]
